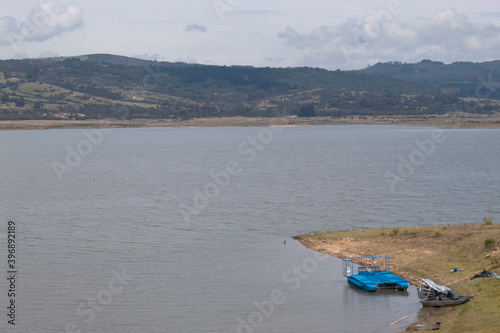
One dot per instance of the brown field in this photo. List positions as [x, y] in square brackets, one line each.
[432, 252]
[450, 121]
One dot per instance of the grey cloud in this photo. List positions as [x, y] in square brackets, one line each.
[20, 55]
[272, 60]
[195, 27]
[48, 54]
[447, 36]
[492, 14]
[7, 26]
[45, 21]
[318, 38]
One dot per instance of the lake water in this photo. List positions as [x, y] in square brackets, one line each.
[182, 230]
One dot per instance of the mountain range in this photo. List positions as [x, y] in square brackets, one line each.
[96, 86]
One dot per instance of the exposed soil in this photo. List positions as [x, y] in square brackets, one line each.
[453, 120]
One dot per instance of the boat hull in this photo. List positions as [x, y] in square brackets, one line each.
[435, 303]
[374, 282]
[364, 286]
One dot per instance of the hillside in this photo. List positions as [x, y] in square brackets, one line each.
[99, 86]
[467, 79]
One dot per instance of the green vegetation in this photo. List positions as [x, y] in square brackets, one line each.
[96, 86]
[466, 79]
[489, 242]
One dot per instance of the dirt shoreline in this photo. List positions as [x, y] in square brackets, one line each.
[432, 252]
[449, 121]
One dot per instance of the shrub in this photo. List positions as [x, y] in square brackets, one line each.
[395, 231]
[437, 233]
[489, 242]
[487, 219]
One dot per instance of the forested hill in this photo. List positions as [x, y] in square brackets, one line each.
[95, 86]
[467, 79]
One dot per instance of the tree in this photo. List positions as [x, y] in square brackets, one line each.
[37, 105]
[33, 74]
[307, 110]
[5, 98]
[20, 102]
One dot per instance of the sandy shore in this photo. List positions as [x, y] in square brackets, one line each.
[450, 121]
[432, 252]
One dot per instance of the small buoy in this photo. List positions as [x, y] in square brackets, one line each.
[284, 242]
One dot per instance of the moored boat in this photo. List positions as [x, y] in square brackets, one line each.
[433, 294]
[372, 274]
[446, 302]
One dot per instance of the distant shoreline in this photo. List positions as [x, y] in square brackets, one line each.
[447, 121]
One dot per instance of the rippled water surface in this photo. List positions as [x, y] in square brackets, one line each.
[182, 230]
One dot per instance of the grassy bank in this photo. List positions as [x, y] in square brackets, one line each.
[432, 252]
[450, 121]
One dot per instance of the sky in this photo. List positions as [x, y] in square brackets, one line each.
[331, 34]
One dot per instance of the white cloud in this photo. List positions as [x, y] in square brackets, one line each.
[45, 21]
[147, 56]
[186, 59]
[446, 36]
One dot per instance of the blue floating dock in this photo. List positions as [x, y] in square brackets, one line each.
[372, 273]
